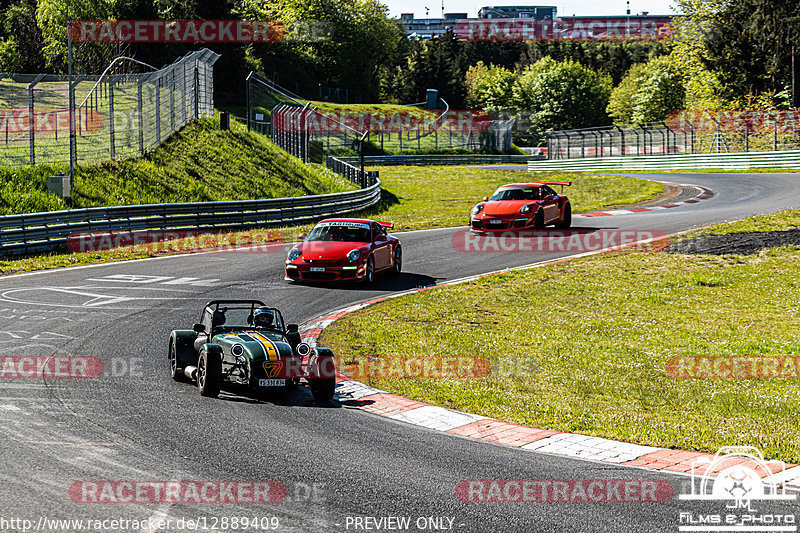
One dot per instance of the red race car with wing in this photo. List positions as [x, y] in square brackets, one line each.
[344, 249]
[522, 206]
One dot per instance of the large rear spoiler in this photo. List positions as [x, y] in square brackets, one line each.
[562, 183]
[387, 225]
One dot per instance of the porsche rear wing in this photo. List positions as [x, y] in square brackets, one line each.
[562, 183]
[387, 225]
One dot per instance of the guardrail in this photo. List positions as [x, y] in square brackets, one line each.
[724, 161]
[441, 159]
[44, 232]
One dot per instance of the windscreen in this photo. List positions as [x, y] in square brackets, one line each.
[242, 316]
[340, 231]
[516, 193]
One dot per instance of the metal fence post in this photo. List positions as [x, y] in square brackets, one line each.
[140, 113]
[196, 90]
[247, 99]
[171, 102]
[32, 118]
[158, 110]
[111, 117]
[775, 133]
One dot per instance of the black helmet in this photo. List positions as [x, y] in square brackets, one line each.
[263, 317]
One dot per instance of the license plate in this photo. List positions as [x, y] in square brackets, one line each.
[317, 269]
[495, 222]
[271, 382]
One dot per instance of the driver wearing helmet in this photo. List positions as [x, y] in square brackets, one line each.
[262, 318]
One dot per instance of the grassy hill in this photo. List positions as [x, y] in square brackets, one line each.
[199, 163]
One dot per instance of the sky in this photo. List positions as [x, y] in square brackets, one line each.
[565, 7]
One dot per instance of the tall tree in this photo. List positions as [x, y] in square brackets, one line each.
[749, 45]
[562, 95]
[490, 88]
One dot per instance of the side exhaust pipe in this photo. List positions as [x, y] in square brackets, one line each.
[191, 372]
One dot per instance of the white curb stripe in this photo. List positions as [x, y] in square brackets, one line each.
[354, 390]
[587, 447]
[438, 418]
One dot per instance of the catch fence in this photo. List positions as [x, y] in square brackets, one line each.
[684, 132]
[332, 130]
[117, 114]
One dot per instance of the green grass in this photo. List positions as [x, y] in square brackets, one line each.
[582, 346]
[437, 197]
[199, 163]
[782, 220]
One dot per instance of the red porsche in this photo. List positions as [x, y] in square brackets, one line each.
[344, 249]
[522, 206]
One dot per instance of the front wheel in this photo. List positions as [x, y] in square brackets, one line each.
[397, 265]
[566, 220]
[538, 220]
[209, 373]
[369, 276]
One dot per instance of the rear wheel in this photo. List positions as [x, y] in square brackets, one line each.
[566, 220]
[209, 373]
[322, 389]
[177, 373]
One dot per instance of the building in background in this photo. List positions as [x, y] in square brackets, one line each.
[516, 23]
[517, 12]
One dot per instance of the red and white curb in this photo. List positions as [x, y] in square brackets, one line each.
[703, 193]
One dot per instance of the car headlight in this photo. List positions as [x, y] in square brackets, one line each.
[525, 209]
[477, 209]
[353, 255]
[294, 253]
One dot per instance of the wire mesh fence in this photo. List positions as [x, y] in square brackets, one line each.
[387, 129]
[684, 132]
[117, 115]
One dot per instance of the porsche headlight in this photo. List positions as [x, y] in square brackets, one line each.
[477, 209]
[294, 253]
[353, 255]
[525, 209]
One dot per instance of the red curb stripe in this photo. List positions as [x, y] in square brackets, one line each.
[598, 214]
[502, 432]
[385, 404]
[313, 333]
[639, 209]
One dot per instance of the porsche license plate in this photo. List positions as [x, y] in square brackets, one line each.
[494, 222]
[317, 269]
[271, 382]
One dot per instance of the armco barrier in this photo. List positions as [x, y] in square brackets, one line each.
[43, 232]
[724, 161]
[440, 160]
